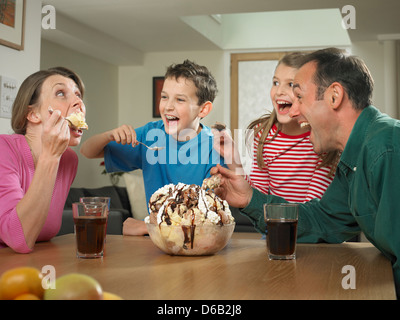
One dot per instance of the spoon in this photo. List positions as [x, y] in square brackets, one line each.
[151, 148]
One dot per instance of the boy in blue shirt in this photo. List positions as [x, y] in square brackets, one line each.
[185, 151]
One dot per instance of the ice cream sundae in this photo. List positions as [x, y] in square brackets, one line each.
[189, 220]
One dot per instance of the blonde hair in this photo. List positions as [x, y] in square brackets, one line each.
[264, 124]
[29, 95]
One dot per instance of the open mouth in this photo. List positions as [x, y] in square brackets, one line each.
[283, 106]
[76, 132]
[171, 119]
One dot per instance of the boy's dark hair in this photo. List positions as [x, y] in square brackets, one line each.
[335, 65]
[201, 77]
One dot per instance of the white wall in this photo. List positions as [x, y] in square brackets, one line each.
[372, 54]
[101, 100]
[20, 64]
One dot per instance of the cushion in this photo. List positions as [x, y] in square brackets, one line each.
[73, 196]
[123, 197]
[137, 197]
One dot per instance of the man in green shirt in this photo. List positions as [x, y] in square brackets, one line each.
[333, 97]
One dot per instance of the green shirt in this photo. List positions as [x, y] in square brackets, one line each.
[362, 196]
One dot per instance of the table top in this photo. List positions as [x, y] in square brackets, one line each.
[134, 268]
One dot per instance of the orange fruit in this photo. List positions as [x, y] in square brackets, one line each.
[27, 296]
[18, 281]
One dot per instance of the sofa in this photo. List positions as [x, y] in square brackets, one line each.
[121, 208]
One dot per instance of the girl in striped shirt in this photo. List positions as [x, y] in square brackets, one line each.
[284, 162]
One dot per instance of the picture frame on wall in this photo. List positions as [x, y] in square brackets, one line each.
[12, 23]
[158, 83]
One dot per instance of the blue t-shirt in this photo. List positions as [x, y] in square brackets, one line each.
[180, 161]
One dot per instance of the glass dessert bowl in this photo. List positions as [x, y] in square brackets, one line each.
[196, 240]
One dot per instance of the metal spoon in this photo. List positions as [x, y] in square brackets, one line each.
[151, 148]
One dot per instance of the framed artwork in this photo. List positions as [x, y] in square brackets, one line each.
[12, 23]
[158, 83]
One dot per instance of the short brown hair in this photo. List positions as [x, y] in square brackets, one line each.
[201, 77]
[29, 94]
[336, 65]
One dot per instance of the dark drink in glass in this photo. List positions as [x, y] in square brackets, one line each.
[90, 233]
[281, 220]
[90, 221]
[281, 237]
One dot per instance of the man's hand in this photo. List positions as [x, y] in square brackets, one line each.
[233, 188]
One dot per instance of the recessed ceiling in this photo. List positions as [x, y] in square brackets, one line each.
[265, 30]
[121, 31]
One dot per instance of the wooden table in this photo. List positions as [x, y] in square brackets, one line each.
[135, 269]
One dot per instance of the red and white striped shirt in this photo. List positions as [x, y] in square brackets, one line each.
[291, 171]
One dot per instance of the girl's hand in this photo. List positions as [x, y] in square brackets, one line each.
[227, 148]
[223, 143]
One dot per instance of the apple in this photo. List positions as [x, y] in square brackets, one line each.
[75, 286]
[110, 296]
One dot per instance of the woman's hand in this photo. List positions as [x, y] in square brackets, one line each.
[55, 135]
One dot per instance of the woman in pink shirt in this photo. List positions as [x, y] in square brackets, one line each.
[37, 167]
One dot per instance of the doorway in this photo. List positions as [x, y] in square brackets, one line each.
[251, 81]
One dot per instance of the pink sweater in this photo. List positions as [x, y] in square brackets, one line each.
[16, 173]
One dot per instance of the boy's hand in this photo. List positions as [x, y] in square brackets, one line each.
[133, 227]
[124, 134]
[233, 188]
